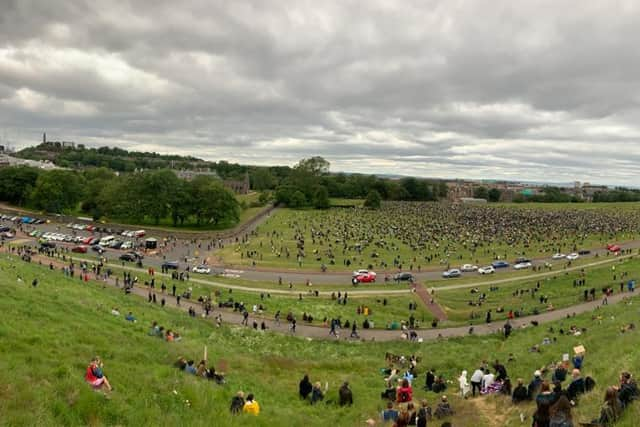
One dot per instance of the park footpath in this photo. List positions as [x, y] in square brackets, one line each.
[320, 332]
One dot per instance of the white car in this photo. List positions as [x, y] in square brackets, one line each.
[127, 245]
[487, 270]
[558, 256]
[454, 272]
[202, 269]
[573, 256]
[522, 265]
[468, 268]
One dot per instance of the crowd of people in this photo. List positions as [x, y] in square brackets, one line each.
[408, 236]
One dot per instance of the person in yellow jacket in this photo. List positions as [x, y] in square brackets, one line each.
[251, 406]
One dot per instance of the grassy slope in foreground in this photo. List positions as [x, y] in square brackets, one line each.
[49, 333]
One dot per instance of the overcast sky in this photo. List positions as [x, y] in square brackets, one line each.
[537, 90]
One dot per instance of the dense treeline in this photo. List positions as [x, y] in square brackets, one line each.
[147, 197]
[549, 195]
[617, 195]
[304, 179]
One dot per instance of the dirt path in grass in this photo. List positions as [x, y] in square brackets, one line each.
[318, 331]
[430, 302]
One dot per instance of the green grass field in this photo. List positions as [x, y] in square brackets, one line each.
[411, 236]
[49, 333]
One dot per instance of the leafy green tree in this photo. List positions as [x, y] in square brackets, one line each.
[211, 202]
[56, 191]
[321, 198]
[494, 195]
[316, 166]
[481, 193]
[298, 200]
[373, 200]
[156, 193]
[16, 183]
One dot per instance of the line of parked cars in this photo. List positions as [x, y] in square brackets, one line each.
[22, 219]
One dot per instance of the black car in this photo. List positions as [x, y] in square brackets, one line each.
[4, 228]
[170, 265]
[98, 248]
[128, 257]
[584, 252]
[48, 244]
[402, 277]
[522, 259]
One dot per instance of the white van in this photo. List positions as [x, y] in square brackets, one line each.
[106, 241]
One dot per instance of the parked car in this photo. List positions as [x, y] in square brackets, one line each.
[80, 249]
[202, 269]
[468, 268]
[573, 256]
[486, 270]
[521, 260]
[368, 277]
[171, 265]
[522, 265]
[7, 235]
[500, 264]
[584, 252]
[127, 257]
[139, 233]
[454, 272]
[4, 228]
[127, 245]
[558, 256]
[98, 249]
[403, 277]
[47, 244]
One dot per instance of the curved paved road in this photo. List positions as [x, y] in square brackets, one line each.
[319, 332]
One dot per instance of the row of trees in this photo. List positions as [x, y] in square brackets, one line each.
[139, 197]
[310, 184]
[617, 195]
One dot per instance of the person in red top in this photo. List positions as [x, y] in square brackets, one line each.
[94, 375]
[404, 393]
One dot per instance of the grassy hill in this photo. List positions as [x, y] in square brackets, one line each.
[49, 333]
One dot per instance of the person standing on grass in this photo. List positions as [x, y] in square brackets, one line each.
[345, 395]
[476, 381]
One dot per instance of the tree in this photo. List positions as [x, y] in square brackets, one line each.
[57, 190]
[16, 183]
[494, 195]
[373, 200]
[321, 198]
[262, 179]
[481, 193]
[211, 202]
[297, 200]
[316, 166]
[156, 193]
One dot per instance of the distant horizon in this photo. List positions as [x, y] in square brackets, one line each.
[390, 175]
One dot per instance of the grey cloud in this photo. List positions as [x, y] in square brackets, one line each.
[443, 88]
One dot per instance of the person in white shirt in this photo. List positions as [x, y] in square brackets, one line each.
[476, 381]
[464, 385]
[487, 380]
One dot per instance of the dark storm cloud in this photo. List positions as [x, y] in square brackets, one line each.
[528, 90]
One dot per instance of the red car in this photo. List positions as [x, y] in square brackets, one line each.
[364, 278]
[613, 248]
[81, 249]
[90, 227]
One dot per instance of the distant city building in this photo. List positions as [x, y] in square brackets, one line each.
[189, 175]
[472, 200]
[6, 160]
[242, 186]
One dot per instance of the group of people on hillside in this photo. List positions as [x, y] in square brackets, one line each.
[314, 393]
[201, 370]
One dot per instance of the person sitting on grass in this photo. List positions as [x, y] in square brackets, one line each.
[181, 363]
[154, 329]
[610, 412]
[251, 406]
[560, 413]
[424, 414]
[305, 387]
[190, 368]
[201, 370]
[131, 318]
[403, 420]
[577, 386]
[444, 408]
[520, 393]
[390, 414]
[317, 394]
[345, 395]
[439, 385]
[628, 390]
[237, 403]
[404, 392]
[95, 377]
[544, 400]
